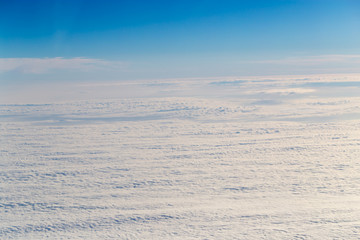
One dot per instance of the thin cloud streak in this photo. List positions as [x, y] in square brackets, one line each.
[313, 60]
[45, 65]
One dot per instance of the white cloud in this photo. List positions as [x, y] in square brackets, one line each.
[315, 60]
[44, 65]
[289, 91]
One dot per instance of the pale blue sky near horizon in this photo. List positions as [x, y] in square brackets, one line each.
[78, 40]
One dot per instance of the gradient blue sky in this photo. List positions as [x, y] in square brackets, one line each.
[114, 40]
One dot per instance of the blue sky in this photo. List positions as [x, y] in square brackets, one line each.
[55, 40]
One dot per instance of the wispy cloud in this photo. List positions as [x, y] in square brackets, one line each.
[314, 60]
[44, 65]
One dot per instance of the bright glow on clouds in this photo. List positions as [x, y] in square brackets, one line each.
[44, 65]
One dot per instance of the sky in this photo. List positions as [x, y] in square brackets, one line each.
[222, 119]
[78, 40]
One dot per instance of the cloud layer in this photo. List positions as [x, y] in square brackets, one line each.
[19, 70]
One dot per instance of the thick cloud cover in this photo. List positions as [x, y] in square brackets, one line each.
[252, 158]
